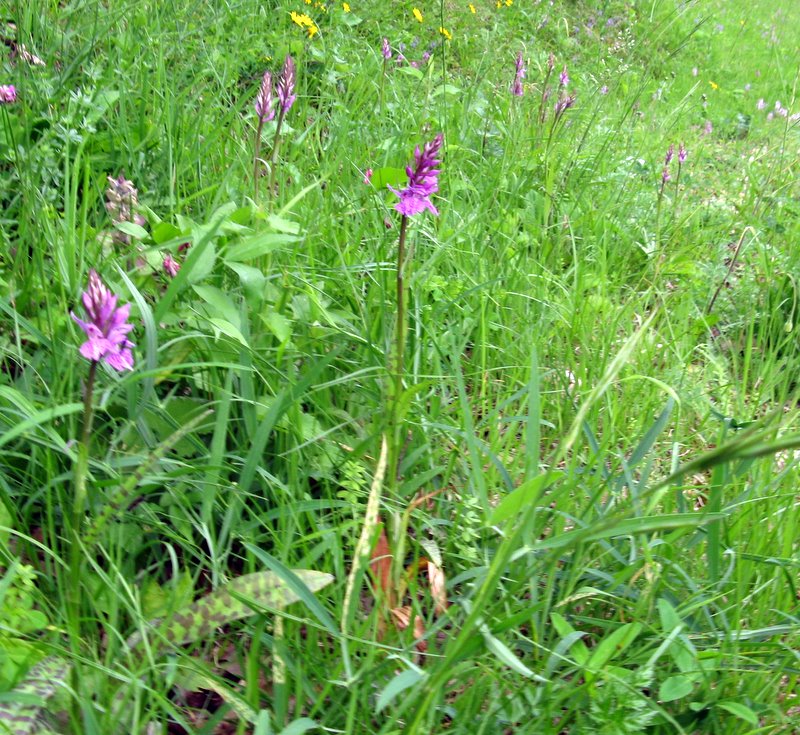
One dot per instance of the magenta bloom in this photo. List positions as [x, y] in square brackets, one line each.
[563, 104]
[423, 180]
[517, 89]
[368, 176]
[264, 108]
[8, 93]
[106, 328]
[285, 87]
[386, 49]
[171, 266]
[682, 154]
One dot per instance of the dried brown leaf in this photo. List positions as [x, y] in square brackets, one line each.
[438, 587]
[402, 617]
[381, 565]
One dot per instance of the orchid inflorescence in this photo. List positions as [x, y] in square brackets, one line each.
[106, 327]
[423, 180]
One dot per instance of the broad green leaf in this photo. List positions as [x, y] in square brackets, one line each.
[742, 711]
[561, 652]
[281, 224]
[132, 229]
[611, 646]
[388, 176]
[298, 586]
[252, 279]
[232, 602]
[676, 687]
[164, 232]
[505, 655]
[261, 244]
[223, 326]
[299, 726]
[520, 498]
[21, 708]
[6, 520]
[404, 680]
[446, 89]
[565, 630]
[278, 324]
[221, 304]
[200, 680]
[412, 72]
[157, 600]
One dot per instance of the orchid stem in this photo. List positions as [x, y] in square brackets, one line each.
[397, 362]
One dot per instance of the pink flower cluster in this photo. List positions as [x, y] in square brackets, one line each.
[8, 94]
[107, 327]
[423, 180]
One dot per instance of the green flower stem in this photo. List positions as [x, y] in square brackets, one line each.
[396, 363]
[79, 502]
[273, 159]
[256, 154]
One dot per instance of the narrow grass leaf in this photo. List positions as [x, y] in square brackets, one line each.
[404, 680]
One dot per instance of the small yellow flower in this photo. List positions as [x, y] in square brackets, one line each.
[302, 20]
[346, 7]
[714, 85]
[417, 14]
[446, 34]
[509, 3]
[308, 2]
[472, 8]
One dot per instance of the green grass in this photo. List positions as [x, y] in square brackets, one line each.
[599, 415]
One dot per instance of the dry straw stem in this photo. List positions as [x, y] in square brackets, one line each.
[364, 544]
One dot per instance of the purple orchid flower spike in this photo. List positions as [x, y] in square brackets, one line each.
[264, 108]
[517, 89]
[682, 154]
[423, 180]
[563, 78]
[285, 87]
[106, 327]
[8, 94]
[386, 49]
[670, 154]
[562, 105]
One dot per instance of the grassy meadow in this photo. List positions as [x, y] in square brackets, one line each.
[523, 461]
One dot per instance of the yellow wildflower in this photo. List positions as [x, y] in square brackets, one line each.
[417, 14]
[305, 22]
[714, 85]
[509, 3]
[446, 34]
[471, 8]
[346, 7]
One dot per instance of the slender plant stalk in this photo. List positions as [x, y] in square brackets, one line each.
[273, 159]
[79, 498]
[397, 362]
[256, 155]
[78, 506]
